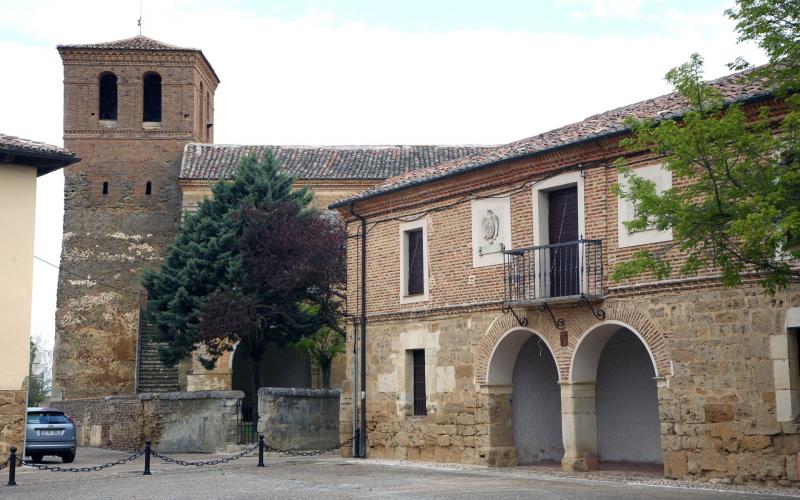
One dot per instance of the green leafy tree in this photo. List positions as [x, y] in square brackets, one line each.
[775, 26]
[254, 265]
[735, 201]
[321, 347]
[205, 258]
[292, 262]
[38, 378]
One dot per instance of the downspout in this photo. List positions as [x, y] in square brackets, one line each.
[356, 445]
[362, 435]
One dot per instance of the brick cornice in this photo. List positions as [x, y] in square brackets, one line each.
[500, 176]
[128, 133]
[94, 57]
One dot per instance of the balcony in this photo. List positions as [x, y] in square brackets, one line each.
[562, 272]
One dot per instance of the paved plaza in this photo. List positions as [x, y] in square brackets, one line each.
[329, 477]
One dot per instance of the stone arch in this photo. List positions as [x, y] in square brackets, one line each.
[231, 353]
[506, 350]
[504, 325]
[578, 322]
[613, 365]
[596, 333]
[586, 355]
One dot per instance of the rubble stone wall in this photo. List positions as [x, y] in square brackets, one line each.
[716, 390]
[110, 237]
[12, 420]
[175, 422]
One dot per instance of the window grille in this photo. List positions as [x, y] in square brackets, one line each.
[416, 278]
[420, 403]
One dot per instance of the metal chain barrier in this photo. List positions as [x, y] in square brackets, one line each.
[308, 453]
[121, 461]
[167, 459]
[13, 460]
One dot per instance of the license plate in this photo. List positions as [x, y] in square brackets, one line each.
[50, 433]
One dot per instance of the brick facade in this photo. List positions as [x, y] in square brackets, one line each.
[709, 347]
[111, 237]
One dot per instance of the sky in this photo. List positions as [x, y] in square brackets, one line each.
[364, 71]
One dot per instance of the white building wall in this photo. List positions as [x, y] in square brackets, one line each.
[536, 405]
[628, 428]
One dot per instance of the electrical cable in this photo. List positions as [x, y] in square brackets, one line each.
[472, 195]
[66, 271]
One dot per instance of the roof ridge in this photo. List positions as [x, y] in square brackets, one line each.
[343, 146]
[218, 161]
[136, 42]
[733, 88]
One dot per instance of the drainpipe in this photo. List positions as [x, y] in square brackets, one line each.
[363, 396]
[356, 445]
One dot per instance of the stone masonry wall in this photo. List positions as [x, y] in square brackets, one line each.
[111, 422]
[12, 420]
[176, 422]
[111, 237]
[716, 401]
[299, 419]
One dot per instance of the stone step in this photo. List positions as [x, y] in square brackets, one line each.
[153, 375]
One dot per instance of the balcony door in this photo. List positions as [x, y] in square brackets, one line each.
[562, 223]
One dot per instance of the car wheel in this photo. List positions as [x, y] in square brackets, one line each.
[36, 457]
[68, 457]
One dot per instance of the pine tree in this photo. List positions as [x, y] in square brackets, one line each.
[205, 257]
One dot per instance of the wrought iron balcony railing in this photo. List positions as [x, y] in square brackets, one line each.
[550, 273]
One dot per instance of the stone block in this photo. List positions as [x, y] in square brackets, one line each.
[786, 444]
[755, 442]
[505, 456]
[716, 413]
[675, 464]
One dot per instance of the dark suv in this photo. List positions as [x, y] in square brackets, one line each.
[49, 431]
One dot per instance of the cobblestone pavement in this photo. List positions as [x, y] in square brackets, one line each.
[331, 477]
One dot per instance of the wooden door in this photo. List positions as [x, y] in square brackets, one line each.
[562, 221]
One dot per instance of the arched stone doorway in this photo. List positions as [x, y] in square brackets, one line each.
[613, 378]
[524, 401]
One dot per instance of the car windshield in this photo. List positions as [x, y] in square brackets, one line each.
[40, 417]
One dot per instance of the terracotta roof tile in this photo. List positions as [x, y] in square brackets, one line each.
[733, 87]
[140, 43]
[137, 42]
[12, 144]
[219, 161]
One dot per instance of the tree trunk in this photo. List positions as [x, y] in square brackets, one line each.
[326, 373]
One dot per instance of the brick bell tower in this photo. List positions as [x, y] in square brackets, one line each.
[130, 107]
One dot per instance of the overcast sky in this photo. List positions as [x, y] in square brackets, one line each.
[365, 71]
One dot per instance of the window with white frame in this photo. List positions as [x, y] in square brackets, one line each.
[784, 351]
[413, 262]
[626, 209]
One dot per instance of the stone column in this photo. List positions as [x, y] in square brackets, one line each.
[579, 426]
[498, 449]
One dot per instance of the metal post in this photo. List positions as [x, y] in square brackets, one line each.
[12, 467]
[261, 450]
[356, 444]
[146, 458]
[363, 430]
